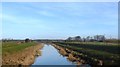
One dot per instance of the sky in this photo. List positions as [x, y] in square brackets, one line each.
[59, 0]
[59, 20]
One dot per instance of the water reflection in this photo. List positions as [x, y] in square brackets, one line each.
[50, 56]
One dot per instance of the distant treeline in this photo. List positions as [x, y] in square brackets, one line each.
[17, 40]
[96, 38]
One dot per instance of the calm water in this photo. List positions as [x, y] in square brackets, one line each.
[50, 56]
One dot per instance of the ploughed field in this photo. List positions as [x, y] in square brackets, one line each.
[94, 53]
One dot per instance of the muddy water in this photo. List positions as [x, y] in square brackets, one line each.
[50, 56]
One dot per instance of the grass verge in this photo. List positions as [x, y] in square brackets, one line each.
[12, 47]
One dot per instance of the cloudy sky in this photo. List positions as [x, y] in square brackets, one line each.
[59, 20]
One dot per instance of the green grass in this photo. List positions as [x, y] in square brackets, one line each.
[95, 46]
[12, 47]
[0, 48]
[95, 43]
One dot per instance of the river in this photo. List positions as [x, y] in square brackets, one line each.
[51, 56]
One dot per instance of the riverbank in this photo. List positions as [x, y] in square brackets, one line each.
[69, 54]
[50, 57]
[23, 57]
[93, 54]
[0, 53]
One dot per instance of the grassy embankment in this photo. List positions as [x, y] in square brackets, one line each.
[19, 53]
[13, 47]
[108, 53]
[0, 53]
[0, 47]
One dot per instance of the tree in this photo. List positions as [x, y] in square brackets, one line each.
[88, 38]
[70, 38]
[77, 38]
[99, 38]
[27, 40]
[83, 39]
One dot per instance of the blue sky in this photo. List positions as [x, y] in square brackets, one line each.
[40, 20]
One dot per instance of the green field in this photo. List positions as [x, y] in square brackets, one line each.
[12, 47]
[0, 47]
[100, 46]
[109, 53]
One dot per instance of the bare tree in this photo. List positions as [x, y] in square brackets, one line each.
[69, 38]
[100, 38]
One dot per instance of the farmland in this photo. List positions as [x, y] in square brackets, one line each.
[91, 53]
[0, 53]
[19, 53]
[106, 52]
[0, 47]
[12, 47]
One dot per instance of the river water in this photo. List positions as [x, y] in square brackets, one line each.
[51, 56]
